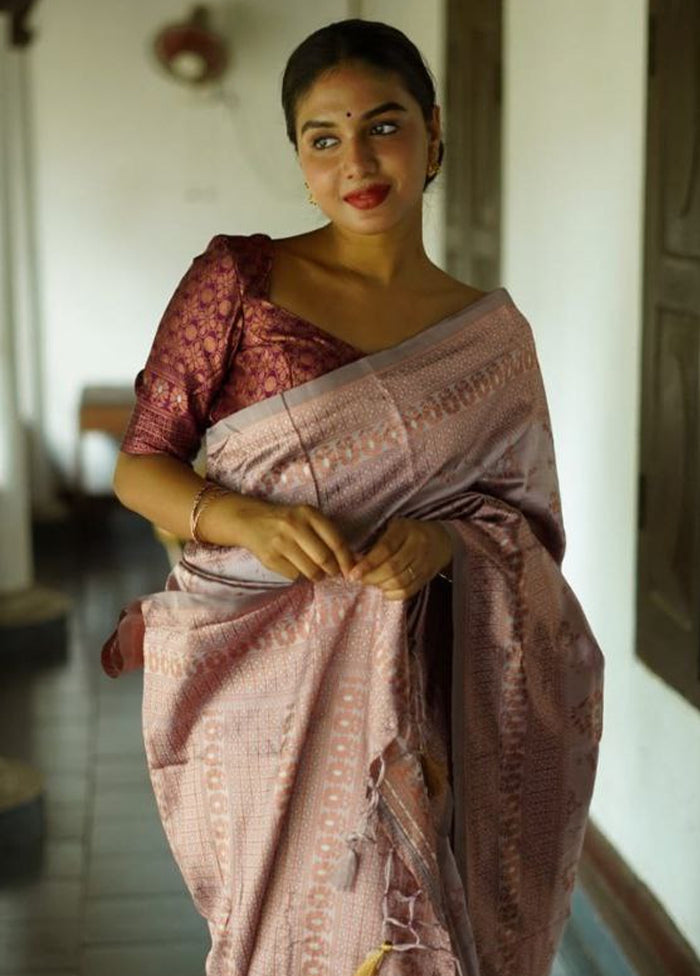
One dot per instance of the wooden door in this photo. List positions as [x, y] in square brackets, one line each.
[668, 590]
[472, 125]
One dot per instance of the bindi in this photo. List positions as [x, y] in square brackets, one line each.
[349, 114]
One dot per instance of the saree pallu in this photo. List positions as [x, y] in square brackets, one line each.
[297, 754]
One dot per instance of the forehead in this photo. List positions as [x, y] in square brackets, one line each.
[355, 88]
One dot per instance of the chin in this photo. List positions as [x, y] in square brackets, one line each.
[368, 225]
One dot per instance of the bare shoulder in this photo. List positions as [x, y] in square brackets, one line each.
[304, 282]
[454, 288]
[299, 245]
[434, 281]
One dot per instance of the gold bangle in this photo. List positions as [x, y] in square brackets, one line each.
[195, 503]
[206, 494]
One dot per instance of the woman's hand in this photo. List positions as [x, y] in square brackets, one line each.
[405, 557]
[292, 540]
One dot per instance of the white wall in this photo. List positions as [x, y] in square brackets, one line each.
[136, 174]
[574, 128]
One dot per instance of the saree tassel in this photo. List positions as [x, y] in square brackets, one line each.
[345, 870]
[374, 960]
[434, 774]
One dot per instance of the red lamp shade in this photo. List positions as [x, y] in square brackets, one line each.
[192, 52]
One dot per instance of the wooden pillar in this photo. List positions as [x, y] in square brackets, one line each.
[16, 570]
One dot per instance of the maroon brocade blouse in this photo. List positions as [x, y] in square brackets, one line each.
[222, 345]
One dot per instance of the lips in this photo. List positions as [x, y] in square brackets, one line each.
[371, 196]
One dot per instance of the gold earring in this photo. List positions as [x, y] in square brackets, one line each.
[433, 169]
[310, 197]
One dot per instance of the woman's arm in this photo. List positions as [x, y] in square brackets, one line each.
[288, 539]
[163, 489]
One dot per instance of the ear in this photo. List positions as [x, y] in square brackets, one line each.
[434, 126]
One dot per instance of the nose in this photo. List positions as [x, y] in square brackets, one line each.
[358, 158]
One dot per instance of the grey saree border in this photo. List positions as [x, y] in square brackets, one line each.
[373, 362]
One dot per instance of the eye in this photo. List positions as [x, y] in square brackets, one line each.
[393, 124]
[315, 142]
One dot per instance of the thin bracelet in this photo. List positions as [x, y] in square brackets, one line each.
[195, 503]
[446, 576]
[206, 494]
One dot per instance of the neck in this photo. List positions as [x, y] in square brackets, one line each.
[385, 258]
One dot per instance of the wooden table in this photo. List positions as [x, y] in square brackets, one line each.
[105, 409]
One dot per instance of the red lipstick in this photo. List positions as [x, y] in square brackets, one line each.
[369, 197]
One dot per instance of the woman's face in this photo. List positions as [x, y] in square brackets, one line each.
[345, 144]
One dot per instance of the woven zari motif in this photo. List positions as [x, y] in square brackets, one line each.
[292, 730]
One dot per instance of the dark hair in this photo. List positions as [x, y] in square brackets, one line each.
[378, 45]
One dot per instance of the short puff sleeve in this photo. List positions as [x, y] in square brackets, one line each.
[193, 347]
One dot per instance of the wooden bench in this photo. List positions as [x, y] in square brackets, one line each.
[107, 410]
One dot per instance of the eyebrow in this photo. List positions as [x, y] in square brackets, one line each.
[384, 107]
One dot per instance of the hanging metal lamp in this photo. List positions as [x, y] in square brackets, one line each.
[192, 51]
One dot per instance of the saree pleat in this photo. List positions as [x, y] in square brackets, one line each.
[351, 784]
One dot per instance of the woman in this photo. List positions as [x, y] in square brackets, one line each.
[357, 762]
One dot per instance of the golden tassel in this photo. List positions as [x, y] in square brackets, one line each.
[374, 960]
[435, 775]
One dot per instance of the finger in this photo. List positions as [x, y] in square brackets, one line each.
[383, 549]
[294, 553]
[316, 551]
[410, 577]
[283, 566]
[394, 573]
[299, 530]
[338, 555]
[404, 593]
[393, 567]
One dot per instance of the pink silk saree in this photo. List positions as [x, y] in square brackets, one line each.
[319, 820]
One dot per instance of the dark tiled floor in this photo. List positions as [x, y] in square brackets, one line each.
[107, 898]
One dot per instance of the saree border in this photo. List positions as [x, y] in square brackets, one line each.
[433, 335]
